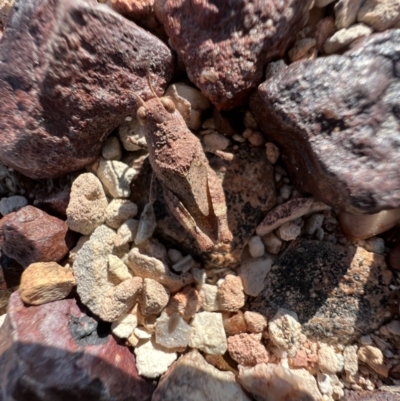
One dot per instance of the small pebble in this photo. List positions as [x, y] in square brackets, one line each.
[375, 245]
[272, 152]
[256, 139]
[313, 223]
[112, 149]
[272, 243]
[174, 255]
[288, 231]
[184, 265]
[285, 191]
[256, 247]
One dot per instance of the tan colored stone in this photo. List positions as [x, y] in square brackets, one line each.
[117, 269]
[327, 359]
[234, 324]
[87, 205]
[209, 297]
[5, 8]
[373, 357]
[126, 232]
[45, 282]
[379, 14]
[146, 266]
[256, 322]
[154, 297]
[230, 293]
[185, 302]
[247, 349]
[118, 211]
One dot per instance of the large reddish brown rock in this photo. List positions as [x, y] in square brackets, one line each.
[337, 292]
[337, 120]
[31, 235]
[68, 69]
[56, 352]
[225, 44]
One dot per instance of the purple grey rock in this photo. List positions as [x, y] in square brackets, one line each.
[55, 352]
[337, 120]
[67, 72]
[370, 396]
[225, 44]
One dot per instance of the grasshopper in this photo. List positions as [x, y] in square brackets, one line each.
[191, 188]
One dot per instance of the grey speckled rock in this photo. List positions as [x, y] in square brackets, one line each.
[225, 44]
[191, 378]
[67, 72]
[337, 292]
[337, 120]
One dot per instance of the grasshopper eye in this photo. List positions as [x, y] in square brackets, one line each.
[168, 104]
[141, 115]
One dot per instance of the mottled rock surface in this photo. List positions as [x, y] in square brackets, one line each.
[336, 291]
[338, 135]
[91, 60]
[55, 351]
[191, 378]
[370, 396]
[31, 235]
[235, 36]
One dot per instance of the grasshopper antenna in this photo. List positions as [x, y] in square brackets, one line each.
[140, 100]
[150, 86]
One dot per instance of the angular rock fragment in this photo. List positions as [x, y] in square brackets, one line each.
[55, 351]
[45, 282]
[87, 206]
[282, 383]
[152, 360]
[12, 204]
[252, 272]
[154, 297]
[337, 292]
[118, 211]
[146, 266]
[191, 378]
[348, 140]
[117, 269]
[172, 331]
[247, 349]
[234, 323]
[209, 297]
[124, 326]
[31, 235]
[56, 113]
[185, 302]
[344, 37]
[230, 294]
[208, 334]
[380, 14]
[240, 39]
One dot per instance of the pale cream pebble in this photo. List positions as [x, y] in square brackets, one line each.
[337, 387]
[12, 204]
[142, 334]
[324, 384]
[45, 282]
[379, 14]
[190, 103]
[373, 357]
[238, 138]
[124, 326]
[230, 294]
[116, 177]
[152, 360]
[256, 246]
[154, 297]
[126, 232]
[283, 384]
[301, 48]
[272, 243]
[112, 149]
[272, 152]
[77, 247]
[118, 270]
[208, 333]
[284, 331]
[147, 224]
[255, 322]
[327, 359]
[184, 264]
[146, 266]
[118, 211]
[132, 136]
[172, 331]
[342, 39]
[174, 255]
[209, 298]
[288, 231]
[87, 205]
[256, 138]
[253, 273]
[215, 141]
[2, 319]
[350, 362]
[234, 324]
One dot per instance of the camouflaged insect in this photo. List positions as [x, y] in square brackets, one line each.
[192, 190]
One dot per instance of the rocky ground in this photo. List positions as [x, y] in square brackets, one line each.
[106, 294]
